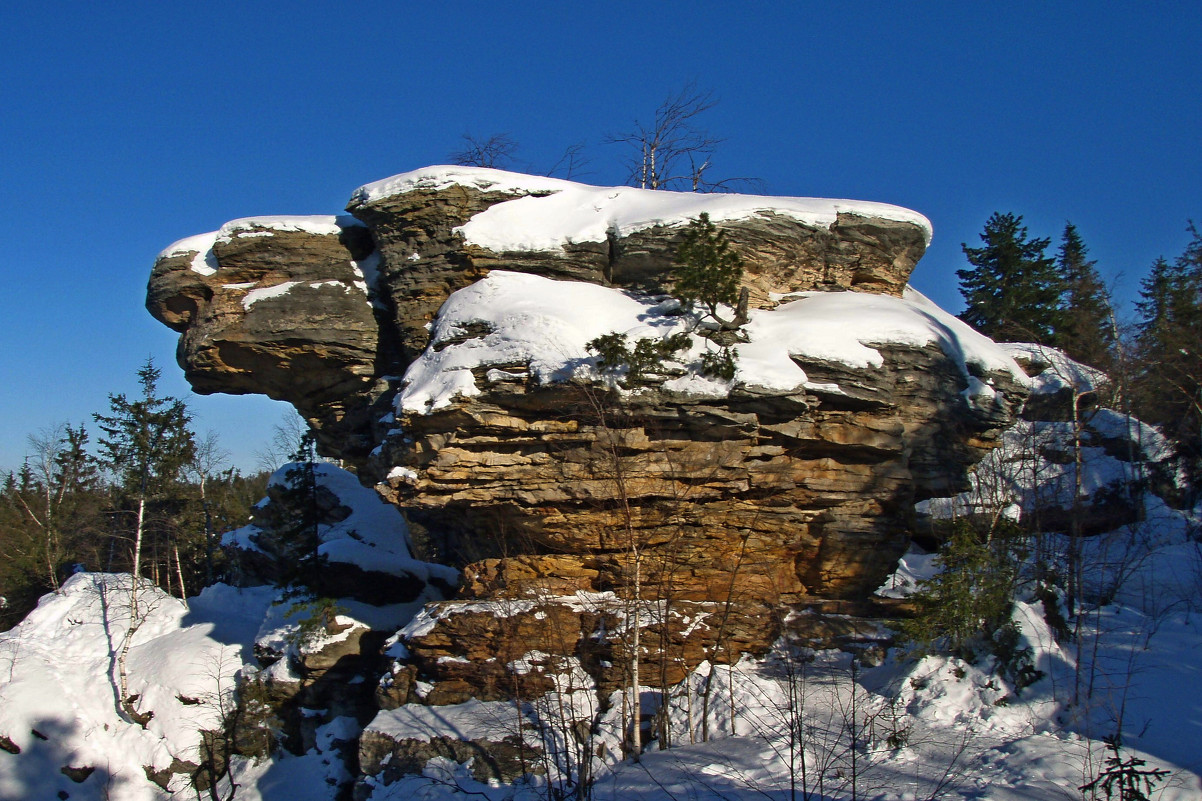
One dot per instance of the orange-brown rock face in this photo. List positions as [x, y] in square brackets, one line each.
[723, 505]
[772, 497]
[279, 307]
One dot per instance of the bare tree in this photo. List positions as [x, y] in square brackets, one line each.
[285, 435]
[497, 151]
[570, 163]
[206, 464]
[673, 151]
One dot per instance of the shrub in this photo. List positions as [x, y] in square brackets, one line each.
[968, 598]
[719, 363]
[614, 353]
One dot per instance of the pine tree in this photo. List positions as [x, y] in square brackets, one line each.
[1086, 332]
[1013, 290]
[145, 444]
[1170, 355]
[708, 272]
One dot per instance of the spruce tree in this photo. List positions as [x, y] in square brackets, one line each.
[1086, 332]
[1170, 355]
[1012, 290]
[145, 444]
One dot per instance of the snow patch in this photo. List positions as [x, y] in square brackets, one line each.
[546, 324]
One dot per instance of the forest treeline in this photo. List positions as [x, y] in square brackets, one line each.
[1016, 290]
[83, 493]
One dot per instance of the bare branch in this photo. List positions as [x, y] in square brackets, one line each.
[570, 163]
[673, 152]
[497, 151]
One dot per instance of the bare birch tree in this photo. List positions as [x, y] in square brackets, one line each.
[673, 151]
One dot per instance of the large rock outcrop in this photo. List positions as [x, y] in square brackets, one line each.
[438, 343]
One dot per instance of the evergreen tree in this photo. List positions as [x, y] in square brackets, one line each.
[145, 444]
[50, 515]
[1013, 290]
[1169, 392]
[708, 272]
[1086, 331]
[302, 499]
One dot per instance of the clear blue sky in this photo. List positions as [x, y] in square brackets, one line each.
[125, 126]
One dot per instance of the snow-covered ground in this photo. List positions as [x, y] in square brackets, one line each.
[59, 684]
[932, 728]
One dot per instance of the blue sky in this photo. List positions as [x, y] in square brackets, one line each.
[126, 126]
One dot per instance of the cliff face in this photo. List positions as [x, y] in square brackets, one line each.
[437, 340]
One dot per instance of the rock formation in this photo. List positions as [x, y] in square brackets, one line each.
[436, 341]
[278, 306]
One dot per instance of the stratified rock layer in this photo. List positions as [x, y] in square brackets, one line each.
[774, 496]
[721, 506]
[279, 307]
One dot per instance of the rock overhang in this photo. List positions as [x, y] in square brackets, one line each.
[456, 373]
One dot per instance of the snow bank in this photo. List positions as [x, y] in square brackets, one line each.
[373, 537]
[546, 324]
[320, 224]
[59, 677]
[551, 212]
[1148, 441]
[1061, 372]
[471, 720]
[842, 327]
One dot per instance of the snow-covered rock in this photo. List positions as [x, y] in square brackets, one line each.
[361, 543]
[1034, 473]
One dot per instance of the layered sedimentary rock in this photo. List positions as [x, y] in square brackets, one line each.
[439, 344]
[783, 495]
[422, 223]
[279, 306]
